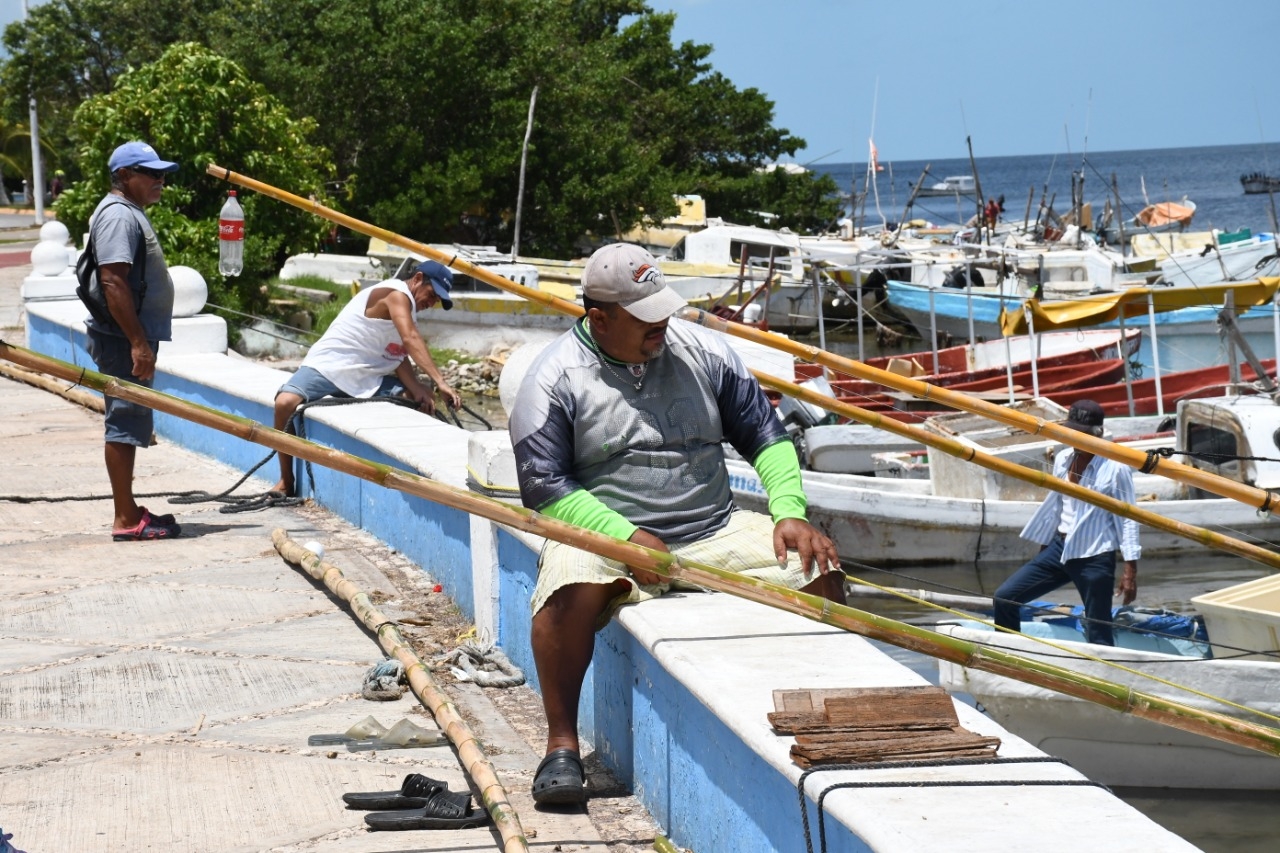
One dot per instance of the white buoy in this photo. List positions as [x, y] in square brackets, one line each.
[315, 548]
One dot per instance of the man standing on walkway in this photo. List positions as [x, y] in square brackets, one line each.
[1078, 541]
[139, 294]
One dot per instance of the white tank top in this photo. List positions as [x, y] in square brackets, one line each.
[358, 351]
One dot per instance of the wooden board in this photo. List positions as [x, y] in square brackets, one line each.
[858, 725]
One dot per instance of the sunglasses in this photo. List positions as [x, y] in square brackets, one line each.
[150, 173]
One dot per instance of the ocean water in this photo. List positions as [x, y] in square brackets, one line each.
[1208, 176]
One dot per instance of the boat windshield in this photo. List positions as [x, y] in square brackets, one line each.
[757, 254]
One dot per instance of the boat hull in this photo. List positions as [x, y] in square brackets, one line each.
[1121, 749]
[900, 523]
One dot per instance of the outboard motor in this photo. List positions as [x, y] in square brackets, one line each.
[961, 277]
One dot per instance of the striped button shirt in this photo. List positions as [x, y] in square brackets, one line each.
[1095, 531]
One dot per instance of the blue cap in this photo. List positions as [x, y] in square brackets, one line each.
[441, 278]
[138, 154]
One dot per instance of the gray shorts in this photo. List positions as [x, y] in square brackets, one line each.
[125, 422]
[310, 384]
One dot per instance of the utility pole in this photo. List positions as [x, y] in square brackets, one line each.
[36, 190]
[524, 153]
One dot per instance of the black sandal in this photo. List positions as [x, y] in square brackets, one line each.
[441, 811]
[413, 794]
[560, 780]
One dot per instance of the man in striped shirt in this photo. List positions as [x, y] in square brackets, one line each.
[1078, 541]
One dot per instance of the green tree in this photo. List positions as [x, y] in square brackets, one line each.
[15, 153]
[432, 99]
[423, 104]
[197, 108]
[67, 51]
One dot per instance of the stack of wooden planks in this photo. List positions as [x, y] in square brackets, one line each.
[856, 725]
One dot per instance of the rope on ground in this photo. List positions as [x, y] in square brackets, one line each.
[483, 663]
[384, 682]
[244, 503]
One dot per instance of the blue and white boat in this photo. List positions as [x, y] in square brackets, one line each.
[1182, 323]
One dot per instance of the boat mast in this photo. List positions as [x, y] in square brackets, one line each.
[977, 186]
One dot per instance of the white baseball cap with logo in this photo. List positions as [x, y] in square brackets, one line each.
[626, 274]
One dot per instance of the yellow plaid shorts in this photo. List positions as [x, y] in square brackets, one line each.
[744, 545]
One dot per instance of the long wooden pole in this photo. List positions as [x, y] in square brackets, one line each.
[1255, 497]
[1118, 697]
[442, 708]
[1148, 463]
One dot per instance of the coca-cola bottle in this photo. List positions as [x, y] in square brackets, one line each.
[231, 237]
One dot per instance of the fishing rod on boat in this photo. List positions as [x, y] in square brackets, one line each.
[1146, 462]
[1052, 677]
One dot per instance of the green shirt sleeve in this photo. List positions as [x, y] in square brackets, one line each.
[779, 471]
[583, 509]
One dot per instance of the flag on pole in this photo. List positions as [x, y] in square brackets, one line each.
[873, 165]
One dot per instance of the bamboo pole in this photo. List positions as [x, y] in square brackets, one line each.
[44, 383]
[1255, 497]
[1117, 697]
[423, 685]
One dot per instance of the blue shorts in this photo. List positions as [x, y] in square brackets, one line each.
[310, 384]
[125, 422]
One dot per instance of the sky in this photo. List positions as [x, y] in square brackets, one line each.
[1015, 76]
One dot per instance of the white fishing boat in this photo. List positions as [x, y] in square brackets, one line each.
[729, 263]
[1152, 219]
[965, 514]
[950, 185]
[1124, 749]
[1249, 257]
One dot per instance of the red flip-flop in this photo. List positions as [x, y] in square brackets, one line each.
[148, 528]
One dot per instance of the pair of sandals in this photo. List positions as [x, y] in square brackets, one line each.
[421, 803]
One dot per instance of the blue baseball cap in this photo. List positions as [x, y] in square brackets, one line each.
[138, 154]
[441, 278]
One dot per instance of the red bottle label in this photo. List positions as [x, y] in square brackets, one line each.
[230, 229]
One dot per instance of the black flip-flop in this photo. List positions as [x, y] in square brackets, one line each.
[440, 812]
[560, 780]
[413, 794]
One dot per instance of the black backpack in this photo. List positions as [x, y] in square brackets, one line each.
[89, 289]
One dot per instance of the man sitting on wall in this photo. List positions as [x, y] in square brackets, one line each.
[367, 350]
[618, 428]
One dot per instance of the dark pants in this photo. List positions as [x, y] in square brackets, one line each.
[1094, 577]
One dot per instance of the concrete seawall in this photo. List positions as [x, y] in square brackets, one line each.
[677, 697]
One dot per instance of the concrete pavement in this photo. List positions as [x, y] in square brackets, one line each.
[159, 695]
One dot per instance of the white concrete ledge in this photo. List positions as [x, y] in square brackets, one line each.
[204, 333]
[731, 654]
